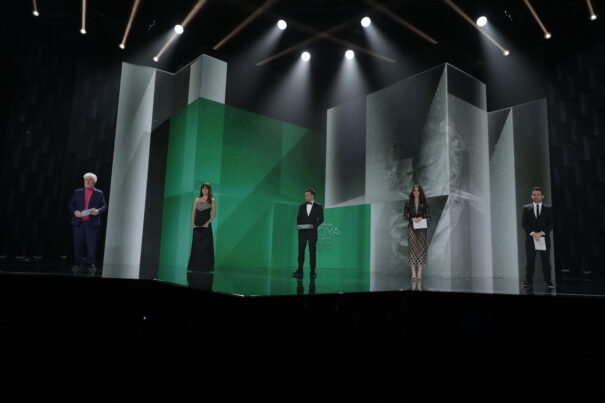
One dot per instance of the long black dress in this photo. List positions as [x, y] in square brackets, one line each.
[202, 246]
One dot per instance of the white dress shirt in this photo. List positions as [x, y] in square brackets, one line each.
[536, 213]
[309, 207]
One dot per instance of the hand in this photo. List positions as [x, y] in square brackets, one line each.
[193, 225]
[77, 213]
[206, 225]
[311, 226]
[417, 219]
[95, 212]
[537, 235]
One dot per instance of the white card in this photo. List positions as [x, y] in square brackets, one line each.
[540, 243]
[420, 225]
[86, 212]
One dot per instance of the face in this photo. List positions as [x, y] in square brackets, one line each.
[89, 182]
[309, 196]
[205, 191]
[537, 196]
[416, 192]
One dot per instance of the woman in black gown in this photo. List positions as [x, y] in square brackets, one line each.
[202, 246]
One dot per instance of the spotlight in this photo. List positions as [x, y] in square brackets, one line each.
[155, 59]
[365, 22]
[121, 45]
[36, 13]
[178, 28]
[349, 54]
[506, 53]
[83, 31]
[281, 24]
[305, 56]
[547, 35]
[592, 17]
[482, 21]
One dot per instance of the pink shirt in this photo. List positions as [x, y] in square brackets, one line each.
[87, 196]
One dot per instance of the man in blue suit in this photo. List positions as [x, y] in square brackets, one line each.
[86, 206]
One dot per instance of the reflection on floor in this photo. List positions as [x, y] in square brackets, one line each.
[266, 281]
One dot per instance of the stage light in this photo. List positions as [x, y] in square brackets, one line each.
[178, 28]
[365, 22]
[305, 56]
[135, 6]
[259, 11]
[35, 6]
[482, 21]
[36, 13]
[547, 35]
[281, 24]
[400, 21]
[537, 18]
[457, 9]
[83, 28]
[349, 54]
[155, 59]
[593, 15]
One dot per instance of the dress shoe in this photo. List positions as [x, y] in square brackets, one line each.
[527, 284]
[297, 273]
[76, 268]
[313, 274]
[550, 285]
[92, 269]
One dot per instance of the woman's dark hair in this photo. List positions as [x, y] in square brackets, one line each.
[422, 197]
[209, 187]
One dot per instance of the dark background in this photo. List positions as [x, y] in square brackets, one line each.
[59, 89]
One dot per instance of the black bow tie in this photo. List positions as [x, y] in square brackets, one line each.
[309, 202]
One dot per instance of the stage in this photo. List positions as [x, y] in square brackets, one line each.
[252, 282]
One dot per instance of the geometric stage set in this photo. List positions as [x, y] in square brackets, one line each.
[477, 168]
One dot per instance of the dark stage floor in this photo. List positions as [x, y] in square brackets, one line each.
[276, 282]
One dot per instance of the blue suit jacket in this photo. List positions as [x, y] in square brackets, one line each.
[97, 201]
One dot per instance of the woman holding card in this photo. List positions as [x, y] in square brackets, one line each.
[416, 211]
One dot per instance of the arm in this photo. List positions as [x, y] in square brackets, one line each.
[406, 211]
[525, 223]
[103, 203]
[193, 214]
[427, 211]
[320, 216]
[213, 213]
[549, 222]
[72, 206]
[299, 216]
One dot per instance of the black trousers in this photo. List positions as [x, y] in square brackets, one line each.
[307, 236]
[531, 252]
[85, 238]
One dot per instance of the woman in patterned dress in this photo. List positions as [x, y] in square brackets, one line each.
[416, 208]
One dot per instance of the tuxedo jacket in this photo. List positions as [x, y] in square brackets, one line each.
[316, 217]
[530, 223]
[97, 200]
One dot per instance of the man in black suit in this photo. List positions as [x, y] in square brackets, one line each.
[310, 215]
[537, 222]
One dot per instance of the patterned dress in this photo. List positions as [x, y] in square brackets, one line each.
[417, 238]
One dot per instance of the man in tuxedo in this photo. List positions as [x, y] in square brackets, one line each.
[311, 214]
[86, 226]
[537, 222]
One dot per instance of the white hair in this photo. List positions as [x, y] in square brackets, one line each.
[90, 175]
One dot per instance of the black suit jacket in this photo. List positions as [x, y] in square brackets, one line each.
[316, 217]
[530, 223]
[97, 200]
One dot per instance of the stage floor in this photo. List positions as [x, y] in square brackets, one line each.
[267, 282]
